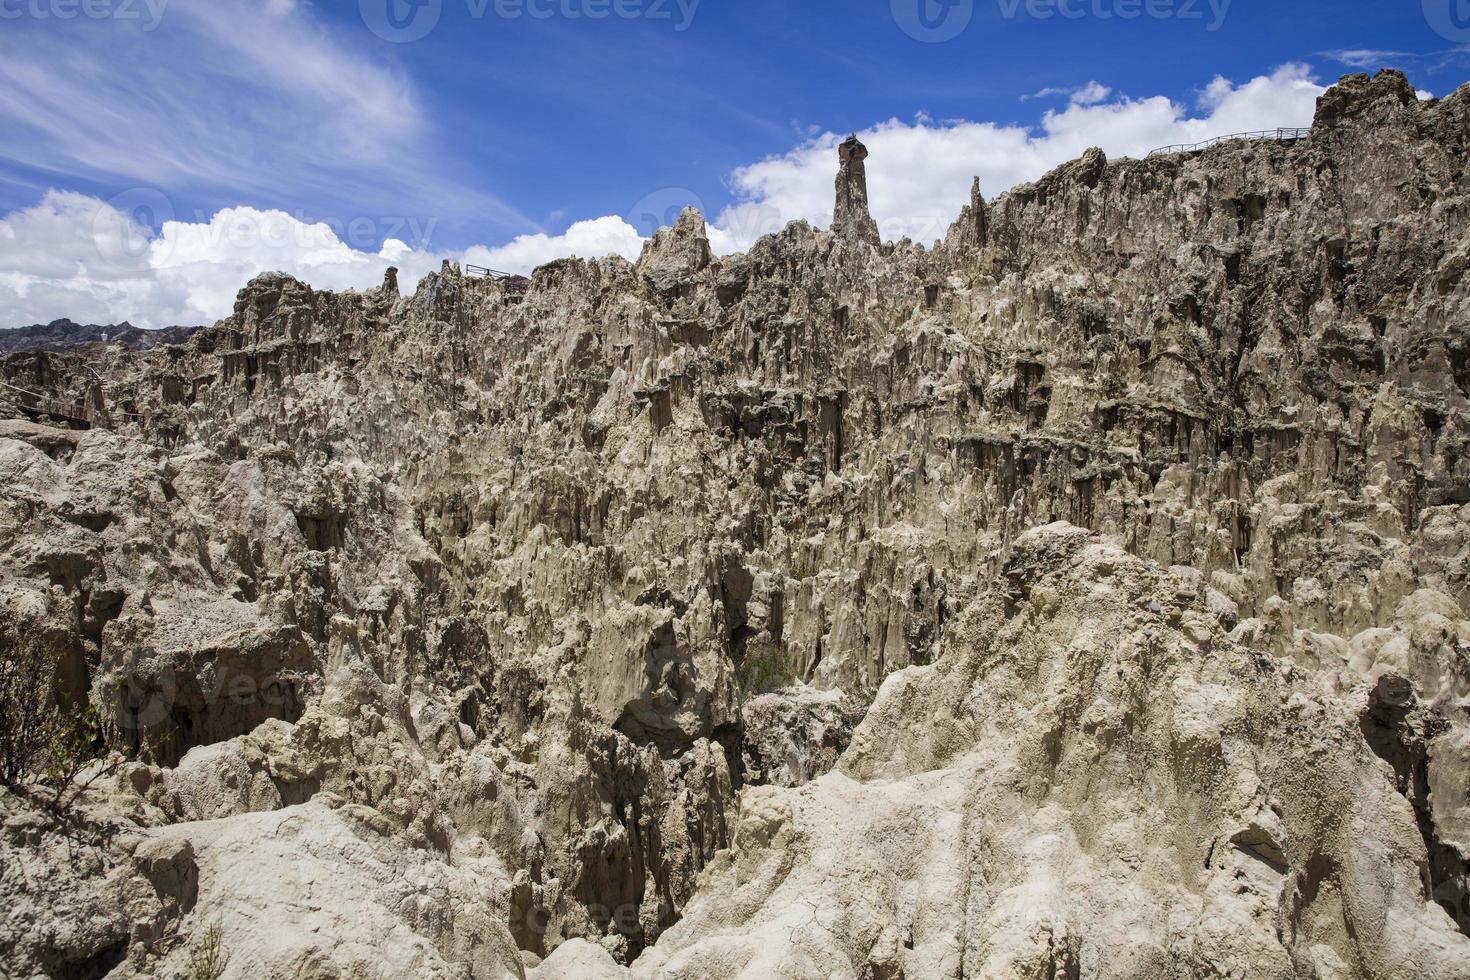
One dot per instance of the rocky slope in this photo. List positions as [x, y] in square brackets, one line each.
[1083, 596]
[64, 335]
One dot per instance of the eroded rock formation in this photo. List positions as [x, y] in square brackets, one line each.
[850, 216]
[1083, 596]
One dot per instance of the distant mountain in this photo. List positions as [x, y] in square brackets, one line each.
[64, 335]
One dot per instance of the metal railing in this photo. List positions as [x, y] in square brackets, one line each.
[513, 283]
[1266, 135]
[36, 407]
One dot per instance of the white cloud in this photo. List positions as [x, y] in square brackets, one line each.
[1366, 57]
[919, 173]
[591, 239]
[76, 256]
[1089, 94]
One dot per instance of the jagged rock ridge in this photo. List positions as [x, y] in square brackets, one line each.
[1084, 596]
[64, 335]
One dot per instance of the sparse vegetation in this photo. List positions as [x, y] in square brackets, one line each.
[42, 740]
[29, 720]
[207, 957]
[764, 669]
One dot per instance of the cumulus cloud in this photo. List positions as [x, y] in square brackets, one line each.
[72, 255]
[919, 173]
[75, 256]
[598, 237]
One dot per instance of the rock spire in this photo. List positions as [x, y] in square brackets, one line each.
[850, 217]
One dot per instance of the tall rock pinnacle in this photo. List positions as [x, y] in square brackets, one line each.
[850, 217]
[971, 232]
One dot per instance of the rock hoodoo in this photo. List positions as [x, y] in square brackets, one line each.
[850, 217]
[1086, 596]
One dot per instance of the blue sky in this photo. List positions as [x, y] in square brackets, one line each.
[513, 130]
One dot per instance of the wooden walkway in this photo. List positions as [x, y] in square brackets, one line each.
[38, 409]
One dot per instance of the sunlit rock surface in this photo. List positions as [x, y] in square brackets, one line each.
[1082, 596]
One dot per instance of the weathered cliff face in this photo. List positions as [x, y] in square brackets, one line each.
[1085, 595]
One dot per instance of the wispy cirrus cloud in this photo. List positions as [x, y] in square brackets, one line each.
[1367, 57]
[1371, 59]
[1089, 94]
[242, 99]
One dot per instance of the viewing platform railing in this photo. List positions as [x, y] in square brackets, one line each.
[515, 284]
[1267, 135]
[38, 409]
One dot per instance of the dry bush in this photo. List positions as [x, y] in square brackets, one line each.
[41, 740]
[207, 957]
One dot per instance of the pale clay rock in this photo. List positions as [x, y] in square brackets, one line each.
[1086, 596]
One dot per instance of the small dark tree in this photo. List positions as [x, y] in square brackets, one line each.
[28, 712]
[42, 740]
